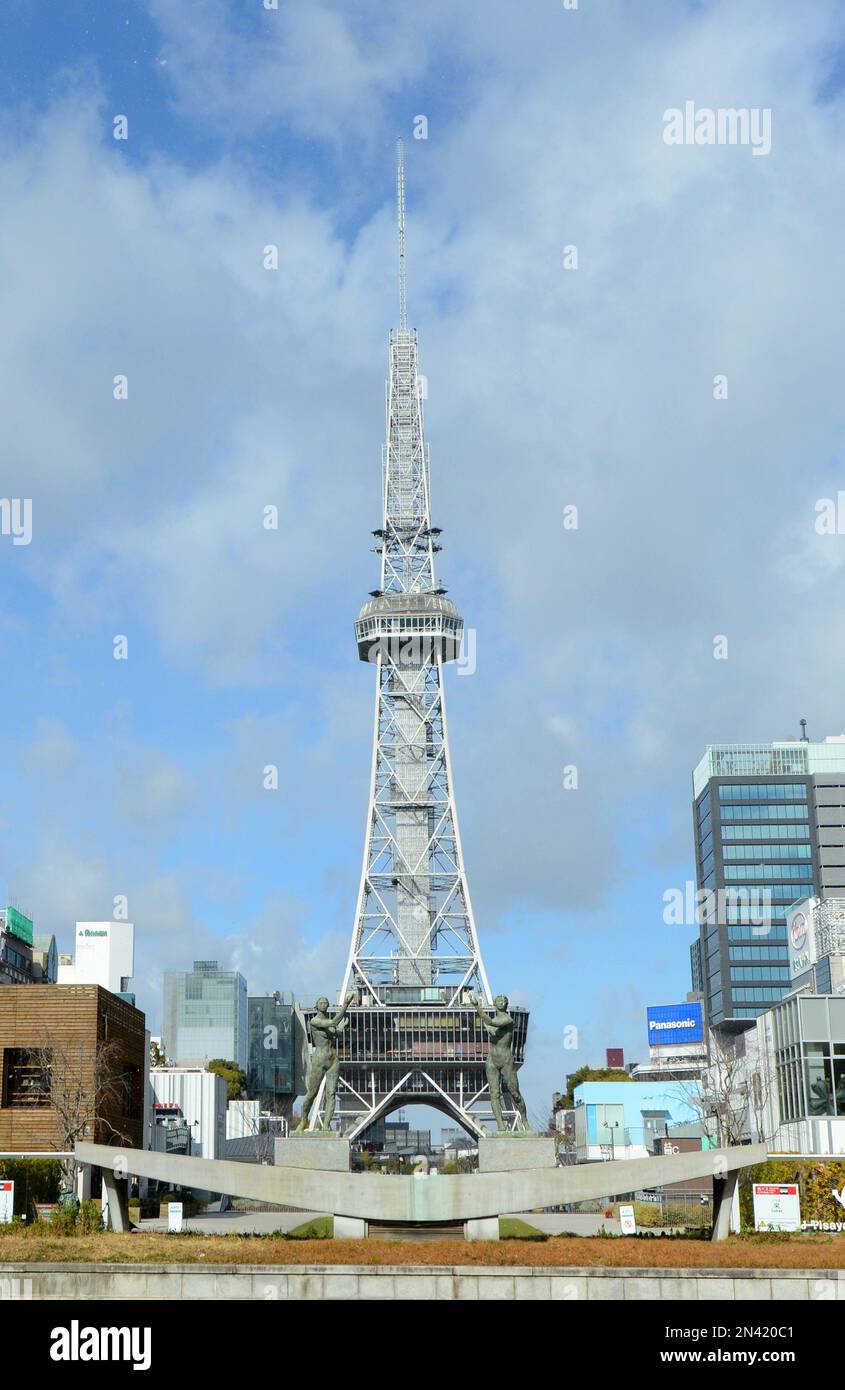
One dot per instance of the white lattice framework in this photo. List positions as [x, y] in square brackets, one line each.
[414, 929]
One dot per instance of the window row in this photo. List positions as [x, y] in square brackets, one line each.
[766, 832]
[767, 871]
[366, 627]
[762, 791]
[760, 972]
[763, 926]
[751, 813]
[758, 994]
[765, 851]
[767, 930]
[758, 953]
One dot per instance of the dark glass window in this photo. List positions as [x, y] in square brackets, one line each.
[26, 1082]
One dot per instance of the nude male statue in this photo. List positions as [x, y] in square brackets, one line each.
[324, 1059]
[499, 1062]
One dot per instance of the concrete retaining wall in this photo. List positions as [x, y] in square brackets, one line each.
[390, 1282]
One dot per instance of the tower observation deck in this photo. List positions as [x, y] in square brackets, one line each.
[413, 1034]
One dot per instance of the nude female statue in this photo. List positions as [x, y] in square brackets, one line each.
[499, 1062]
[324, 1059]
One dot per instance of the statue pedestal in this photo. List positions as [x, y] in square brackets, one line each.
[313, 1150]
[500, 1153]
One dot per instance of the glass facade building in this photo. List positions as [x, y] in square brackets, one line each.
[769, 825]
[275, 1046]
[808, 1037]
[205, 1014]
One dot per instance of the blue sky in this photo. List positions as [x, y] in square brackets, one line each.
[547, 387]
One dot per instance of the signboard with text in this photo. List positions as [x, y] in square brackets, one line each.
[776, 1206]
[627, 1221]
[801, 936]
[669, 1024]
[7, 1202]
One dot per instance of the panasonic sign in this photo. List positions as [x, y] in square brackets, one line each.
[670, 1024]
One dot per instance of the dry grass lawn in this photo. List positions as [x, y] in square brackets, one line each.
[816, 1251]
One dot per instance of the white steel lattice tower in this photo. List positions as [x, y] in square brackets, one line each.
[413, 1034]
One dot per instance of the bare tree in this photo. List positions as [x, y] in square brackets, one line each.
[87, 1092]
[722, 1096]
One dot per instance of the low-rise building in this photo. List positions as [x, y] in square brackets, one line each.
[625, 1119]
[72, 1058]
[187, 1112]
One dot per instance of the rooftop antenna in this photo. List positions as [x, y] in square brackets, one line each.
[804, 738]
[400, 213]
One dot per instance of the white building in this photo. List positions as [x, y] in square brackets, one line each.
[190, 1103]
[781, 1081]
[243, 1118]
[104, 954]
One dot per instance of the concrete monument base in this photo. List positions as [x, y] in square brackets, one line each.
[304, 1181]
[313, 1150]
[483, 1228]
[507, 1153]
[349, 1228]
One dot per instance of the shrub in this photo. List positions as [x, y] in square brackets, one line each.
[89, 1218]
[83, 1220]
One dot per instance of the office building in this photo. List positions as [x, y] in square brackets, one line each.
[16, 939]
[769, 822]
[104, 954]
[276, 1041]
[205, 1015]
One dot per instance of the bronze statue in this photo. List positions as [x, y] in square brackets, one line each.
[499, 1062]
[324, 1061]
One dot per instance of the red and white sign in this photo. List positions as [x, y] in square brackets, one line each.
[7, 1202]
[776, 1207]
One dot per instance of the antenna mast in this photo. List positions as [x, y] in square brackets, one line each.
[400, 212]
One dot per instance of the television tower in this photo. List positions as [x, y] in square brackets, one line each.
[413, 1035]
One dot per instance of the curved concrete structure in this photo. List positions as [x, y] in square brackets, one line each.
[466, 1197]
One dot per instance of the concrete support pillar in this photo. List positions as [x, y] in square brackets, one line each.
[116, 1190]
[483, 1228]
[83, 1182]
[349, 1228]
[723, 1197]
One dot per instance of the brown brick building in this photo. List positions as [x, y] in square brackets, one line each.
[80, 1044]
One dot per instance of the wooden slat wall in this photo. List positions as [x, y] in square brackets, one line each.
[77, 1016]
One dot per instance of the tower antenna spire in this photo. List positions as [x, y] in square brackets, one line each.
[400, 216]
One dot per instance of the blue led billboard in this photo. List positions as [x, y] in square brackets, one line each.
[674, 1023]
